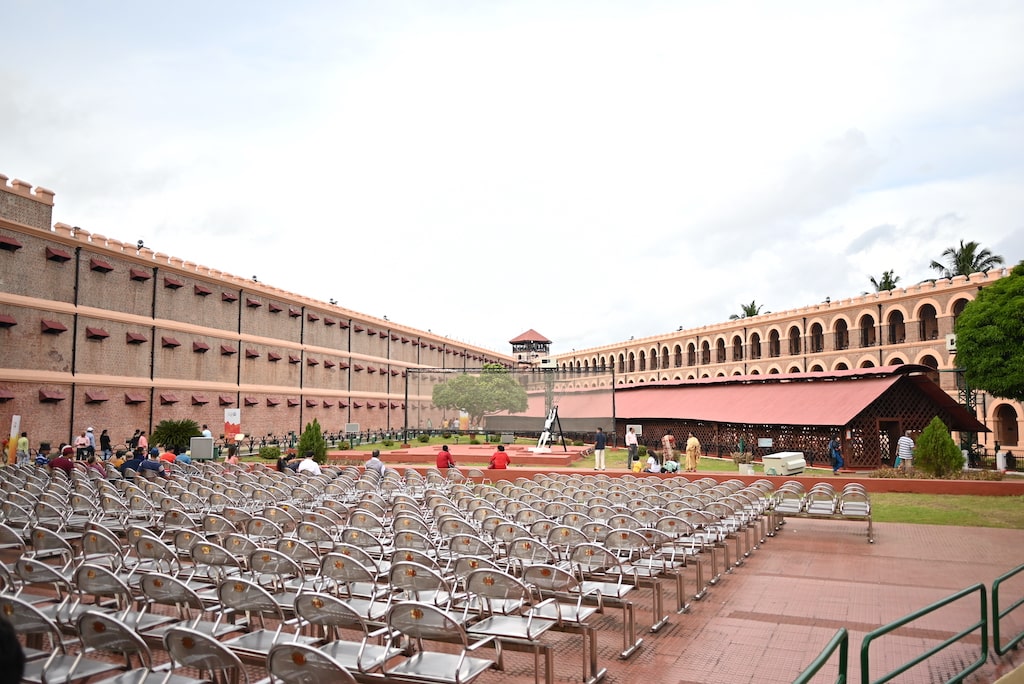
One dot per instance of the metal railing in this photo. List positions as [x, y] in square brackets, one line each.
[981, 624]
[840, 642]
[998, 615]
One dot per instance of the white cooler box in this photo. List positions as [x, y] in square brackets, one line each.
[784, 463]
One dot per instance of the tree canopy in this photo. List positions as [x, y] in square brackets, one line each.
[748, 310]
[990, 337]
[965, 260]
[492, 391]
[886, 282]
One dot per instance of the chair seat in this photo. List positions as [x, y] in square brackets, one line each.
[207, 627]
[611, 590]
[511, 627]
[347, 653]
[567, 612]
[257, 644]
[58, 669]
[146, 676]
[440, 667]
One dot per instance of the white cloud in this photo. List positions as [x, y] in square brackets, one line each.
[593, 171]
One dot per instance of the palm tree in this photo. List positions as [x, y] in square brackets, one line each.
[966, 260]
[748, 310]
[887, 282]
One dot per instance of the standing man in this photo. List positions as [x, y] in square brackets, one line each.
[904, 452]
[91, 436]
[22, 448]
[206, 431]
[633, 445]
[835, 451]
[600, 442]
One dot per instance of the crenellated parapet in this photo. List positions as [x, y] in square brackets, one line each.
[25, 189]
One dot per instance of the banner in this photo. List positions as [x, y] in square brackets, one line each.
[232, 424]
[12, 444]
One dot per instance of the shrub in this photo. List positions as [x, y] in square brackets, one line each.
[474, 440]
[175, 433]
[936, 452]
[312, 439]
[344, 446]
[446, 435]
[641, 451]
[386, 442]
[271, 453]
[424, 438]
[577, 442]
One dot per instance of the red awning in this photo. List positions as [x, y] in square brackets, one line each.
[796, 403]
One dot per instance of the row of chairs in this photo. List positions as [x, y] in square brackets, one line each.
[508, 523]
[851, 503]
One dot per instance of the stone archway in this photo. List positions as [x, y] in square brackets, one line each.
[1007, 432]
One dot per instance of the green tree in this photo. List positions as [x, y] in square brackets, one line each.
[493, 391]
[887, 282]
[748, 310]
[175, 433]
[990, 337]
[965, 260]
[312, 439]
[936, 452]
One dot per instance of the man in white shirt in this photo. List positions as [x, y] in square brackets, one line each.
[308, 466]
[633, 445]
[904, 452]
[206, 431]
[375, 463]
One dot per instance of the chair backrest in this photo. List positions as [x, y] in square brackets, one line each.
[248, 597]
[301, 664]
[470, 544]
[169, 591]
[329, 611]
[418, 620]
[105, 633]
[415, 579]
[275, 564]
[26, 619]
[498, 591]
[189, 648]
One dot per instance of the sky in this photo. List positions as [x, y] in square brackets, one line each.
[592, 170]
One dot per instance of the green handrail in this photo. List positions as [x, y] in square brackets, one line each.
[981, 624]
[840, 641]
[997, 615]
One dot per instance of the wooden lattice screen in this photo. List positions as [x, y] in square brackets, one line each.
[869, 436]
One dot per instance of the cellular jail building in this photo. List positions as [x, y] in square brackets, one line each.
[98, 332]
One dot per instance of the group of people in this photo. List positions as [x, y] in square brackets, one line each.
[499, 459]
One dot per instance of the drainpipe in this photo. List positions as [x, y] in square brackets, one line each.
[74, 343]
[879, 333]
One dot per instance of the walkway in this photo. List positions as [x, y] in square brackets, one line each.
[766, 621]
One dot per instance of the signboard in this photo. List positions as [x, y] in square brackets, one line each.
[232, 424]
[351, 428]
[638, 429]
[764, 442]
[12, 444]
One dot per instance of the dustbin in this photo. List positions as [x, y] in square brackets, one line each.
[1001, 461]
